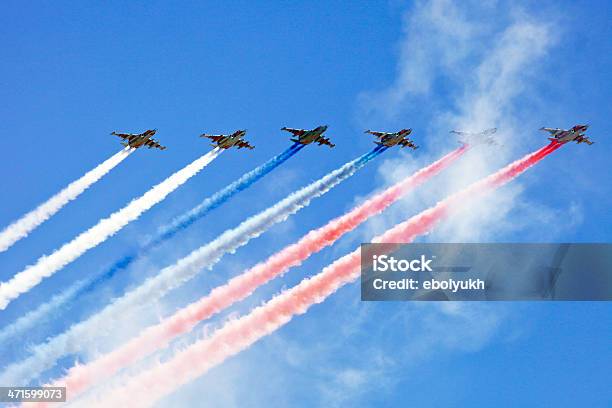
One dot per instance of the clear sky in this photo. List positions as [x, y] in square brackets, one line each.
[73, 72]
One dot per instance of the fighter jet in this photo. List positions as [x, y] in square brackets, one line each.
[474, 138]
[136, 140]
[227, 141]
[394, 138]
[309, 136]
[575, 134]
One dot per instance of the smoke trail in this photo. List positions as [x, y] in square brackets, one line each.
[48, 265]
[33, 318]
[87, 332]
[57, 303]
[222, 196]
[238, 288]
[190, 363]
[23, 226]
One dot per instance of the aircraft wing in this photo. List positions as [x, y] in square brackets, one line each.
[325, 141]
[408, 143]
[550, 130]
[125, 136]
[460, 133]
[585, 139]
[152, 143]
[296, 132]
[244, 144]
[377, 134]
[214, 138]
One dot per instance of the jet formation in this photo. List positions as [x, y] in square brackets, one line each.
[388, 139]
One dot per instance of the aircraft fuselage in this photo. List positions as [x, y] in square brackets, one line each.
[231, 140]
[310, 136]
[392, 139]
[141, 139]
[575, 133]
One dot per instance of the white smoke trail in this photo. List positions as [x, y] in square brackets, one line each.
[47, 265]
[22, 227]
[89, 331]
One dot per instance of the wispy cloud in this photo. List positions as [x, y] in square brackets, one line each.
[487, 55]
[481, 59]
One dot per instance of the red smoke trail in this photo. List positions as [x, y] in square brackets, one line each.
[159, 336]
[237, 335]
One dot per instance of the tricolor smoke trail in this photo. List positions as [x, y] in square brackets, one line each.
[186, 365]
[159, 336]
[61, 302]
[47, 265]
[171, 277]
[26, 224]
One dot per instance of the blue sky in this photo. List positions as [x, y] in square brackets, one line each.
[71, 74]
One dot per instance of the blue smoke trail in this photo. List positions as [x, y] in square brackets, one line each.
[168, 231]
[164, 233]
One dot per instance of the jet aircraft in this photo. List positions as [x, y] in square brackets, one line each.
[136, 140]
[575, 134]
[475, 138]
[394, 138]
[309, 136]
[227, 141]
